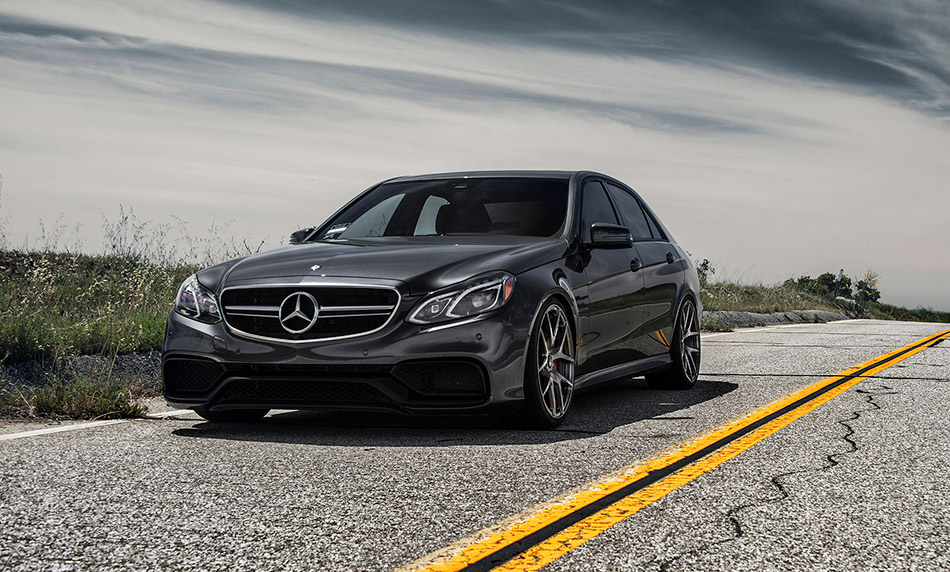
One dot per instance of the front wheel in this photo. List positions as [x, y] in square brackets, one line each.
[232, 415]
[549, 370]
[684, 352]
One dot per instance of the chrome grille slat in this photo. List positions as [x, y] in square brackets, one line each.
[276, 309]
[273, 309]
[357, 315]
[249, 315]
[354, 308]
[249, 311]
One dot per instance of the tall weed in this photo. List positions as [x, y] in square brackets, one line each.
[761, 298]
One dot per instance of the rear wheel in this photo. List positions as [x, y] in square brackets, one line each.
[232, 415]
[685, 352]
[549, 371]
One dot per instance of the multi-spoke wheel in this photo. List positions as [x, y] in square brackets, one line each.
[684, 352]
[549, 373]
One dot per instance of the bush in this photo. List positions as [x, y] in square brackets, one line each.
[705, 269]
[823, 286]
[867, 290]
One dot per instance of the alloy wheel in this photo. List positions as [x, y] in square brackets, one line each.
[689, 340]
[555, 361]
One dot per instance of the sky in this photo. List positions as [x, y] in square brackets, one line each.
[776, 139]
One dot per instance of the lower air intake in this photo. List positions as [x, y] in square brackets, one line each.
[300, 392]
[442, 377]
[190, 376]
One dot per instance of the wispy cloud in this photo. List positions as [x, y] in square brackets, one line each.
[899, 47]
[287, 85]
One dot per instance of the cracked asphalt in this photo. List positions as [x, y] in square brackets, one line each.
[858, 484]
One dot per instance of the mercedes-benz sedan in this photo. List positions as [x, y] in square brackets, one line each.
[468, 293]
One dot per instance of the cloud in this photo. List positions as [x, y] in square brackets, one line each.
[240, 80]
[900, 48]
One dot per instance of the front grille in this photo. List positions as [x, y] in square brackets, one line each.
[287, 392]
[328, 295]
[442, 377]
[190, 376]
[344, 310]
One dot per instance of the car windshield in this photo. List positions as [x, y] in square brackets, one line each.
[505, 206]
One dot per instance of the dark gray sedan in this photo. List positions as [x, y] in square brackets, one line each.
[468, 293]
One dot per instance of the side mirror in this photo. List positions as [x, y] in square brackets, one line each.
[301, 235]
[603, 235]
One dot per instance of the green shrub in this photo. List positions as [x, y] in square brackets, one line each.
[866, 287]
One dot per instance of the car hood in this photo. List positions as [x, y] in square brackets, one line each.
[424, 264]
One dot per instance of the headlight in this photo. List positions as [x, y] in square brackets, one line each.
[476, 296]
[197, 302]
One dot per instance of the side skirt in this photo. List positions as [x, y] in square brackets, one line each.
[634, 368]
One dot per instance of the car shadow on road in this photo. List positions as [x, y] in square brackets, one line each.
[594, 412]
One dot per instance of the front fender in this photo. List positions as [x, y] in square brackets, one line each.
[547, 282]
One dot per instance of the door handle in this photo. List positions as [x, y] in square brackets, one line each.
[635, 265]
[670, 259]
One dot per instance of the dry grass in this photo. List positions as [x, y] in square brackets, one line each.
[761, 298]
[83, 396]
[788, 297]
[881, 311]
[54, 304]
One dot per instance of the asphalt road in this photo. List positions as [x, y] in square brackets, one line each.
[860, 483]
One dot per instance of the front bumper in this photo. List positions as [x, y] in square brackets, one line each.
[474, 367]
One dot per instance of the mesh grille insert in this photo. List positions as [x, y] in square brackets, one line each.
[292, 391]
[442, 377]
[182, 375]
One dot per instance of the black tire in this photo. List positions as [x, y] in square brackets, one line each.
[685, 352]
[549, 369]
[232, 415]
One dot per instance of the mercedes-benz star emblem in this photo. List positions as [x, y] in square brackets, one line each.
[298, 312]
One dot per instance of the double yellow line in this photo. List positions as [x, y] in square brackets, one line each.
[532, 543]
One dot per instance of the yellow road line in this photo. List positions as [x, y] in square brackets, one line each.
[475, 555]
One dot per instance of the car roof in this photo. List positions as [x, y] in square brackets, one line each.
[491, 174]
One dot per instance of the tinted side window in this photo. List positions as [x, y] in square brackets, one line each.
[657, 233]
[597, 207]
[632, 213]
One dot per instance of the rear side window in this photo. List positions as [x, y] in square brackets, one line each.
[597, 207]
[657, 233]
[632, 214]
